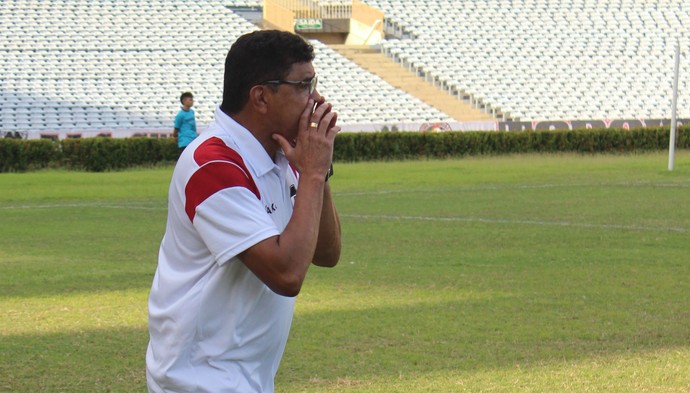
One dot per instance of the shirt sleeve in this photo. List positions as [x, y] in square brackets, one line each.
[231, 221]
[178, 120]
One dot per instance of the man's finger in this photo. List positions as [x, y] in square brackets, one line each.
[333, 121]
[306, 115]
[326, 121]
[284, 143]
[320, 112]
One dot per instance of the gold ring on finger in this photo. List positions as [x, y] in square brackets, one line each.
[314, 124]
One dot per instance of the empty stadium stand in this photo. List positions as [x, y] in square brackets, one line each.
[547, 59]
[92, 65]
[109, 65]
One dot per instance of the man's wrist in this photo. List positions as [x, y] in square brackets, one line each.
[329, 173]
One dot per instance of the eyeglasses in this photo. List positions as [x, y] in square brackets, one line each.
[305, 85]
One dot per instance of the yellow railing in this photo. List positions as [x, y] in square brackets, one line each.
[318, 9]
[365, 21]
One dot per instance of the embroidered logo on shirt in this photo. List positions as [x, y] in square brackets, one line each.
[271, 209]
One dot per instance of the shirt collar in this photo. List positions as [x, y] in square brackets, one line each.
[249, 146]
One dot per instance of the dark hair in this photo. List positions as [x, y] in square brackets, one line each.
[185, 95]
[258, 57]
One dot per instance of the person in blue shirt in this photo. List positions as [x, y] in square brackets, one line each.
[185, 123]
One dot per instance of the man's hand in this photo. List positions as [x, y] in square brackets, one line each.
[313, 233]
[312, 151]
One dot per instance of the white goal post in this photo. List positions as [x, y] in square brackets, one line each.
[674, 105]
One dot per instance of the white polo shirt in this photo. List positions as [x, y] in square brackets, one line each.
[213, 325]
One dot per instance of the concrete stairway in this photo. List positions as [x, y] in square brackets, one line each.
[392, 72]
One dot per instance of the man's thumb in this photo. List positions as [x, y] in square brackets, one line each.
[284, 143]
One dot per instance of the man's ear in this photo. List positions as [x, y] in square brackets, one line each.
[259, 98]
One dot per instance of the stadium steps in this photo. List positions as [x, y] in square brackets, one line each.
[375, 62]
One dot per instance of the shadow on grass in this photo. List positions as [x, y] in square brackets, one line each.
[84, 361]
[378, 343]
[461, 336]
[64, 284]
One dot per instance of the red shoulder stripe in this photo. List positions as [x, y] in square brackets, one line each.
[294, 171]
[214, 149]
[220, 167]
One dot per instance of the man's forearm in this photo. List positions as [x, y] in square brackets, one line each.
[328, 247]
[281, 262]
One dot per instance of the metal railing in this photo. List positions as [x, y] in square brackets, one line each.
[318, 9]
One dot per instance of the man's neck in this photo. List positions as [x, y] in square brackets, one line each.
[265, 139]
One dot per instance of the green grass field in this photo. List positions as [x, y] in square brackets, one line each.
[496, 274]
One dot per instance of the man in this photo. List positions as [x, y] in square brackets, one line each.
[250, 209]
[185, 122]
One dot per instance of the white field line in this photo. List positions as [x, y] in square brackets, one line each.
[80, 205]
[489, 187]
[446, 219]
[396, 217]
[517, 222]
[522, 222]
